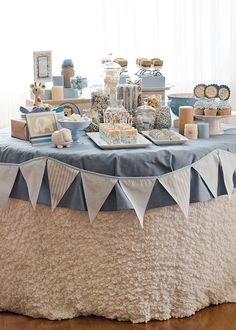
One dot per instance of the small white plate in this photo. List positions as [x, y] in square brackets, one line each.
[142, 142]
[182, 140]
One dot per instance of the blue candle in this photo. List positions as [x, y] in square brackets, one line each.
[203, 130]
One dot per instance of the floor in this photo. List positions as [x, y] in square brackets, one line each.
[222, 317]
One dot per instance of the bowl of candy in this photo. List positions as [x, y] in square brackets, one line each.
[181, 99]
[76, 124]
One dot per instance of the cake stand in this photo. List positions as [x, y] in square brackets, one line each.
[214, 123]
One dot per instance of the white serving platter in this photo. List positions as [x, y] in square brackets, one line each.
[142, 142]
[182, 140]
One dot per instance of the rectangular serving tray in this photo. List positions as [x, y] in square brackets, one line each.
[182, 140]
[142, 142]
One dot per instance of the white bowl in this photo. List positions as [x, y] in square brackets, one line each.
[75, 126]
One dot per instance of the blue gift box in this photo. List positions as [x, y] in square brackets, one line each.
[58, 80]
[70, 93]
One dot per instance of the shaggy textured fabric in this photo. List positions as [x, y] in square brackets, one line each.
[57, 265]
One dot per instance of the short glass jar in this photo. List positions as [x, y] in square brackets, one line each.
[145, 117]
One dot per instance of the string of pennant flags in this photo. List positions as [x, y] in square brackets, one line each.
[97, 187]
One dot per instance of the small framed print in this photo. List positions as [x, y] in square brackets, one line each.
[41, 124]
[42, 66]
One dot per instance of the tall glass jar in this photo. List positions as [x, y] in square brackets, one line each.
[163, 115]
[111, 78]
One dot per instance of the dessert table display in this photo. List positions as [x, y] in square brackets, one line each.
[131, 234]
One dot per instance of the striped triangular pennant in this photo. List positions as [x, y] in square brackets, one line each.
[138, 192]
[7, 179]
[208, 168]
[177, 185]
[33, 174]
[60, 177]
[96, 189]
[228, 163]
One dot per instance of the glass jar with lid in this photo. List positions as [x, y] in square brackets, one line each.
[145, 117]
[111, 76]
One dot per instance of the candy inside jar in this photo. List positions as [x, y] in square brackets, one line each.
[111, 78]
[163, 115]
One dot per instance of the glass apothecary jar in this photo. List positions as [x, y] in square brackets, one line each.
[163, 115]
[111, 76]
[145, 117]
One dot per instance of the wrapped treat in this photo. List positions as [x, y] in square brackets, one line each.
[199, 107]
[224, 108]
[211, 108]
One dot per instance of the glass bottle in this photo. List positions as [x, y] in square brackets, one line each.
[145, 117]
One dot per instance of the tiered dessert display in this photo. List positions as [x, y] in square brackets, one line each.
[212, 105]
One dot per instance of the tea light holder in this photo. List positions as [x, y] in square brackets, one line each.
[191, 131]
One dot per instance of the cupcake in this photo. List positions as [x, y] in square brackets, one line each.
[211, 108]
[224, 108]
[199, 106]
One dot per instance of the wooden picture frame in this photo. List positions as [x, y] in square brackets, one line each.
[41, 124]
[42, 66]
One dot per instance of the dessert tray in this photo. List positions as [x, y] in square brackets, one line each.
[142, 142]
[181, 139]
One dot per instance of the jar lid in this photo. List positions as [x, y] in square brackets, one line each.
[146, 106]
[111, 65]
[121, 61]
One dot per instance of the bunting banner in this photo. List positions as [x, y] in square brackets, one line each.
[60, 177]
[8, 174]
[96, 189]
[228, 163]
[138, 192]
[208, 168]
[33, 173]
[177, 185]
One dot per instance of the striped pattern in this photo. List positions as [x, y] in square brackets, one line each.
[96, 190]
[138, 192]
[7, 178]
[228, 163]
[60, 177]
[33, 174]
[178, 186]
[208, 168]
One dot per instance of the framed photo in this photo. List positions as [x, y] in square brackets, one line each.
[41, 124]
[42, 66]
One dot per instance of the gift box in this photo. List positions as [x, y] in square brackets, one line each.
[19, 129]
[153, 81]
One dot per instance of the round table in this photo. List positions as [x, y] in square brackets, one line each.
[57, 265]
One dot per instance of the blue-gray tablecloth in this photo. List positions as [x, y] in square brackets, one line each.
[150, 161]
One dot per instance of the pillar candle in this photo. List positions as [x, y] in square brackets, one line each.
[191, 131]
[57, 92]
[203, 130]
[185, 117]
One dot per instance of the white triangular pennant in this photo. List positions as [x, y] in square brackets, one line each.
[7, 179]
[33, 174]
[96, 190]
[138, 192]
[60, 177]
[228, 163]
[178, 186]
[208, 168]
